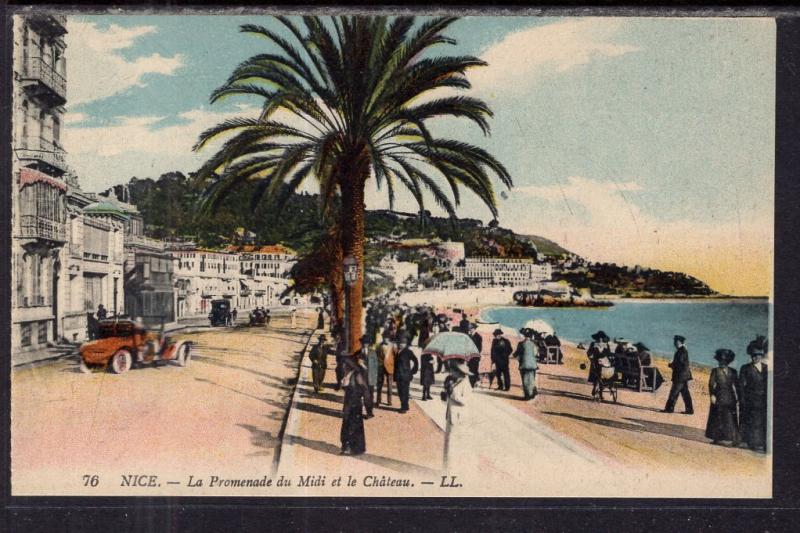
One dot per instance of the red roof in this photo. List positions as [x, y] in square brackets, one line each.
[267, 249]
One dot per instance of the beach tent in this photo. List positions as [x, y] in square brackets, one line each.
[541, 326]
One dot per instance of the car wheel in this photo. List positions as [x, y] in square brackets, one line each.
[121, 362]
[184, 355]
[84, 368]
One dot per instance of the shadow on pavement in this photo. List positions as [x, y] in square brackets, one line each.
[385, 462]
[311, 408]
[588, 398]
[568, 379]
[642, 426]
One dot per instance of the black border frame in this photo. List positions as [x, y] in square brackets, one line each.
[557, 514]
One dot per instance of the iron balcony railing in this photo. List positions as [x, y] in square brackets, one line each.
[36, 227]
[38, 69]
[47, 152]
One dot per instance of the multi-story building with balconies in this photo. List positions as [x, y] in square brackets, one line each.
[38, 192]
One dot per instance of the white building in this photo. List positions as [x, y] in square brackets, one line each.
[447, 253]
[93, 261]
[399, 271]
[38, 186]
[205, 275]
[489, 271]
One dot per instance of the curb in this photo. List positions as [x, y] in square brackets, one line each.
[46, 360]
[276, 457]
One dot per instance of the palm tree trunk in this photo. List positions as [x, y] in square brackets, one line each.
[336, 285]
[352, 227]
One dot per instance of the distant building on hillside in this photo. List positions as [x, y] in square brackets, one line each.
[491, 271]
[399, 271]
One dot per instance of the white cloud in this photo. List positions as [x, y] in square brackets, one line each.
[603, 221]
[101, 71]
[137, 146]
[526, 55]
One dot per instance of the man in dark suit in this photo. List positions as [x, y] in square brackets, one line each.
[475, 363]
[501, 351]
[681, 376]
[463, 325]
[405, 366]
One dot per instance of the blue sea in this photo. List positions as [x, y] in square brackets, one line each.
[706, 324]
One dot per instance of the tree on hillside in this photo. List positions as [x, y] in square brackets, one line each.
[341, 104]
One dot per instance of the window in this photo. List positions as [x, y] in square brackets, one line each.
[42, 333]
[20, 271]
[36, 280]
[25, 334]
[56, 130]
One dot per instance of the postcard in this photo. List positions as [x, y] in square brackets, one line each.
[373, 254]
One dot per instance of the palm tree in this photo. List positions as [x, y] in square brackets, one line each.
[342, 104]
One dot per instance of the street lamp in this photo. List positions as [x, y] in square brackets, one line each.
[350, 269]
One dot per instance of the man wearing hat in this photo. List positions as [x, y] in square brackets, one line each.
[526, 353]
[681, 376]
[319, 362]
[474, 364]
[753, 383]
[385, 369]
[501, 351]
[405, 366]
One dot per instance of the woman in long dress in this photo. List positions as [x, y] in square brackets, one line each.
[426, 375]
[723, 424]
[753, 384]
[458, 392]
[356, 397]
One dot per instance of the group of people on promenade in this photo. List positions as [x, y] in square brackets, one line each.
[738, 411]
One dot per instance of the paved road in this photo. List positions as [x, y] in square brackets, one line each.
[222, 414]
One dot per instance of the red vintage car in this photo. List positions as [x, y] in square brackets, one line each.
[123, 343]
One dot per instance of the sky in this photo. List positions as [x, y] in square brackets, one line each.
[640, 141]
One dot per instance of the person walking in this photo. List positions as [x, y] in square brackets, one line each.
[526, 354]
[405, 366]
[753, 386]
[463, 324]
[294, 317]
[424, 333]
[233, 316]
[681, 376]
[598, 349]
[371, 359]
[474, 364]
[320, 318]
[723, 386]
[356, 397]
[341, 355]
[319, 362]
[501, 351]
[457, 438]
[426, 375]
[386, 369]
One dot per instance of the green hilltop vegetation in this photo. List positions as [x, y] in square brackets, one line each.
[169, 206]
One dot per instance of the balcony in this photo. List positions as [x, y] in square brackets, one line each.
[47, 153]
[140, 241]
[42, 81]
[51, 24]
[36, 227]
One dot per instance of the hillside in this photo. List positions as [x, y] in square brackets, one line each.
[169, 207]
